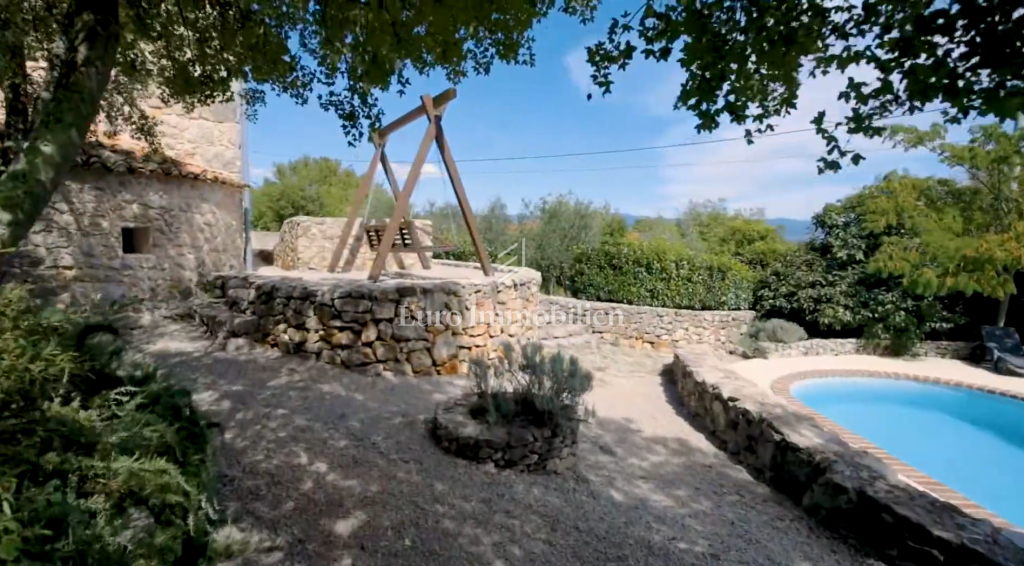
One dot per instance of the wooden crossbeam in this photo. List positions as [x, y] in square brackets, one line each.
[400, 234]
[402, 202]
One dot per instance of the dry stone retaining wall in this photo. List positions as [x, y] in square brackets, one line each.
[407, 327]
[843, 347]
[642, 327]
[847, 490]
[307, 243]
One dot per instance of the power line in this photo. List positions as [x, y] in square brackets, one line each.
[633, 149]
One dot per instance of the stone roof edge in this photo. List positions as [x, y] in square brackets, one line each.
[97, 155]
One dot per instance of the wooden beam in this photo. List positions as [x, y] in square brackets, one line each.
[402, 203]
[460, 196]
[353, 211]
[439, 101]
[393, 182]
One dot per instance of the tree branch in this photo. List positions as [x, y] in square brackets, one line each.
[78, 80]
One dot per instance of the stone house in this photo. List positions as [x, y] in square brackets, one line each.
[126, 222]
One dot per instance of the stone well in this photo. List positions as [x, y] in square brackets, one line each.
[409, 326]
[519, 447]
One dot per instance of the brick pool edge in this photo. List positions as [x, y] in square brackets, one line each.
[851, 491]
[782, 387]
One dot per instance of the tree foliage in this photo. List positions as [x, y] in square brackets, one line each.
[745, 61]
[102, 460]
[828, 288]
[716, 230]
[107, 55]
[314, 186]
[955, 236]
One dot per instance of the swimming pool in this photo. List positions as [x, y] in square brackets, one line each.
[969, 440]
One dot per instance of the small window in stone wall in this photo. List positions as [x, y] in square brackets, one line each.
[136, 240]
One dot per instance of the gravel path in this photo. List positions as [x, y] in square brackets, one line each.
[338, 468]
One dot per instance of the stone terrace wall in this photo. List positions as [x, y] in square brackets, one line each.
[642, 327]
[843, 347]
[847, 490]
[307, 243]
[375, 327]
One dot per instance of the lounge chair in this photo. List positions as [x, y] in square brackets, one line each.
[1003, 345]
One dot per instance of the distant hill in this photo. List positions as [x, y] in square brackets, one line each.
[793, 229]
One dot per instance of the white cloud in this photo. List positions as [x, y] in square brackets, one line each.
[258, 174]
[579, 70]
[429, 171]
[778, 173]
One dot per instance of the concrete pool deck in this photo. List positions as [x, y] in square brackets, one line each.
[777, 375]
[764, 372]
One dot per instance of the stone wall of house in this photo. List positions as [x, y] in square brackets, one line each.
[76, 246]
[641, 327]
[409, 327]
[850, 346]
[209, 137]
[849, 491]
[307, 243]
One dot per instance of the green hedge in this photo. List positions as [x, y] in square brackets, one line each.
[660, 274]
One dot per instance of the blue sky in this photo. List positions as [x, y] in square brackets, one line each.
[522, 111]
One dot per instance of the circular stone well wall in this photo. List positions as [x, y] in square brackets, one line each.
[405, 326]
[519, 447]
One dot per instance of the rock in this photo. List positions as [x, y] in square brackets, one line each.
[420, 360]
[352, 305]
[444, 348]
[324, 313]
[413, 346]
[369, 333]
[330, 357]
[383, 310]
[449, 368]
[385, 351]
[384, 330]
[245, 325]
[405, 332]
[357, 356]
[345, 339]
[313, 323]
[296, 335]
[398, 367]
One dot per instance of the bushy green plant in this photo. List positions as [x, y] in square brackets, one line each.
[777, 330]
[102, 461]
[660, 274]
[530, 385]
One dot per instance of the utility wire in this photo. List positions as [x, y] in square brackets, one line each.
[636, 149]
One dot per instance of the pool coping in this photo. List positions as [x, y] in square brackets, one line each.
[911, 475]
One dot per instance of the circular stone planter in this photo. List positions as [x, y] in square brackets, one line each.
[516, 446]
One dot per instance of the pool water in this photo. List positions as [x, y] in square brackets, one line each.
[969, 440]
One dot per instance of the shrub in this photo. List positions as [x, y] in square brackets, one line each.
[777, 330]
[530, 386]
[101, 460]
[660, 274]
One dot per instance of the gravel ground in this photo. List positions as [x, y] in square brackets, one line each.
[338, 469]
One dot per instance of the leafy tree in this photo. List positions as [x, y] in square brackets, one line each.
[956, 236]
[554, 228]
[827, 287]
[313, 186]
[106, 55]
[614, 229]
[745, 61]
[657, 229]
[752, 241]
